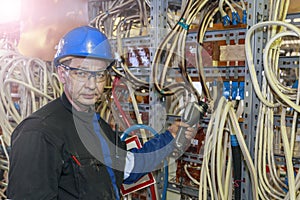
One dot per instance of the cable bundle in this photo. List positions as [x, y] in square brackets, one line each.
[26, 85]
[216, 170]
[274, 96]
[171, 52]
[120, 11]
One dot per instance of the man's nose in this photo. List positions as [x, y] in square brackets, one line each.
[91, 81]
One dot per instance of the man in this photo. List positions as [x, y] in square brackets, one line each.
[64, 150]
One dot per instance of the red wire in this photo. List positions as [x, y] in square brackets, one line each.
[123, 114]
[153, 192]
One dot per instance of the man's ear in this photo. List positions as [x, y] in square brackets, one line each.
[61, 74]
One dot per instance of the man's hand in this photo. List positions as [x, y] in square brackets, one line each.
[189, 133]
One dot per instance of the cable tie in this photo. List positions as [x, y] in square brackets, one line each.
[107, 12]
[183, 24]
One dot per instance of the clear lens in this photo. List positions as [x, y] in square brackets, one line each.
[84, 75]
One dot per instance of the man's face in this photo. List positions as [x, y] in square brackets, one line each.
[84, 80]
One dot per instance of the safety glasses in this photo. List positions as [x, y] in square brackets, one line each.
[83, 75]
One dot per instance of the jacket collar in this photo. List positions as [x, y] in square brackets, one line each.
[84, 116]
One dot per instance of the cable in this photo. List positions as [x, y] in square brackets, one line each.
[166, 180]
[136, 110]
[236, 157]
[175, 38]
[189, 175]
[251, 66]
[25, 76]
[212, 10]
[125, 118]
[288, 156]
[245, 152]
[272, 80]
[225, 17]
[216, 154]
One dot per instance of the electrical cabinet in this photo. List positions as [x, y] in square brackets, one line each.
[225, 66]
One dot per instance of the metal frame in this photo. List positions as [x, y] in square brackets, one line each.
[158, 16]
[289, 61]
[142, 41]
[257, 12]
[293, 18]
[228, 34]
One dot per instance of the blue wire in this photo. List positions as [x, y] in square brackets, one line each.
[226, 20]
[235, 18]
[135, 127]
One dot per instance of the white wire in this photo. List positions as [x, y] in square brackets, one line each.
[251, 65]
[4, 149]
[288, 156]
[190, 176]
[136, 111]
[245, 152]
[214, 156]
[230, 6]
[271, 77]
[221, 3]
[30, 76]
[237, 5]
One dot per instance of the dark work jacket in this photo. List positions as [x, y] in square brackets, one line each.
[48, 159]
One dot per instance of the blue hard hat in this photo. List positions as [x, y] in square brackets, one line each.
[84, 41]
